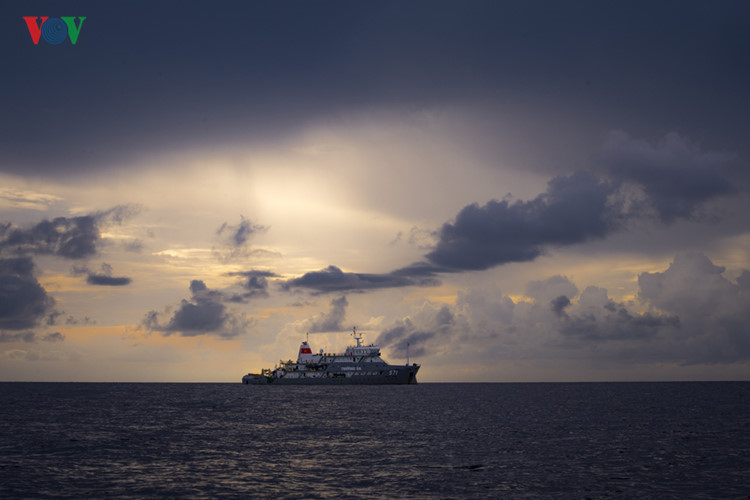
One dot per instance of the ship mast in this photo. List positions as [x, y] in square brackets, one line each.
[358, 339]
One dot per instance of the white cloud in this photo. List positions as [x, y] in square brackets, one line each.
[693, 315]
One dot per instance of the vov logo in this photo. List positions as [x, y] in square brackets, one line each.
[54, 30]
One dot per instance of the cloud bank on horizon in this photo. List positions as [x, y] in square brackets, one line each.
[570, 192]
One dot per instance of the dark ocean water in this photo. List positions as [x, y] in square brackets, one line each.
[608, 440]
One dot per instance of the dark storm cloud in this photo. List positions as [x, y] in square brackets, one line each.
[203, 314]
[24, 303]
[573, 210]
[675, 176]
[333, 320]
[332, 279]
[148, 76]
[675, 179]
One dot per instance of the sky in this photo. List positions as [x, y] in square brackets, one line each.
[511, 191]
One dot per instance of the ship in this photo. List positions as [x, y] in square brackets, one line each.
[358, 364]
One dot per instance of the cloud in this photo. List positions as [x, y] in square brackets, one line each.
[203, 314]
[688, 314]
[117, 215]
[691, 283]
[616, 323]
[67, 237]
[714, 312]
[255, 284]
[558, 305]
[574, 209]
[332, 280]
[551, 289]
[104, 280]
[672, 179]
[487, 309]
[30, 337]
[71, 238]
[392, 62]
[413, 333]
[54, 337]
[235, 240]
[104, 277]
[27, 337]
[25, 199]
[239, 235]
[675, 176]
[24, 303]
[331, 321]
[34, 355]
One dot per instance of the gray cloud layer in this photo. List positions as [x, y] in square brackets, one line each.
[171, 87]
[675, 176]
[694, 315]
[573, 210]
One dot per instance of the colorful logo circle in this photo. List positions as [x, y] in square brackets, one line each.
[54, 31]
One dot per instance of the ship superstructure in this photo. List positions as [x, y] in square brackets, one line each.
[358, 364]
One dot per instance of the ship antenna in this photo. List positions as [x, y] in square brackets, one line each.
[354, 334]
[407, 354]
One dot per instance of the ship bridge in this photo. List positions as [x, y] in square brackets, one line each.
[359, 349]
[370, 350]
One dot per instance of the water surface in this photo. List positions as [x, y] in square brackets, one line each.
[623, 440]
